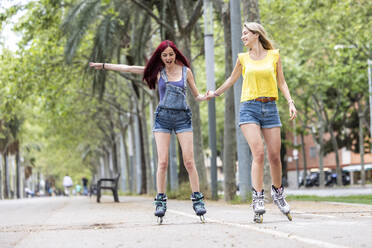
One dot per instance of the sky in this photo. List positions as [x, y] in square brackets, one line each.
[7, 36]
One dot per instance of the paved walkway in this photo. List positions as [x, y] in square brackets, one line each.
[81, 222]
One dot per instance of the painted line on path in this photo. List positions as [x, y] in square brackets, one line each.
[266, 231]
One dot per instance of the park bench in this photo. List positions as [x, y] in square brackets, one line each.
[102, 183]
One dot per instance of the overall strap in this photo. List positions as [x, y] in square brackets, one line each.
[163, 74]
[184, 76]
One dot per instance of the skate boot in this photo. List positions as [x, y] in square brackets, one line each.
[160, 206]
[258, 205]
[198, 205]
[279, 200]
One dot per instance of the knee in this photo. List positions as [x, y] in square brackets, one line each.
[162, 165]
[275, 160]
[189, 164]
[259, 157]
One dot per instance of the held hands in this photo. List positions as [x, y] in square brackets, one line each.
[210, 94]
[200, 98]
[97, 66]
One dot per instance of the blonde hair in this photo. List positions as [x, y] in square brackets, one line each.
[257, 28]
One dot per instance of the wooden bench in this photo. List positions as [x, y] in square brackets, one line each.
[114, 184]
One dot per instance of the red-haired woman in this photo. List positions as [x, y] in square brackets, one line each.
[169, 68]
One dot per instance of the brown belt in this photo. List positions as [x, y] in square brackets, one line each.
[265, 99]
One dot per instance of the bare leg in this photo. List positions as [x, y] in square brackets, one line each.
[252, 134]
[162, 145]
[186, 142]
[273, 142]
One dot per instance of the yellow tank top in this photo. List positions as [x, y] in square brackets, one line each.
[259, 76]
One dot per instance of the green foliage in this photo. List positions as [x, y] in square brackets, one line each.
[307, 33]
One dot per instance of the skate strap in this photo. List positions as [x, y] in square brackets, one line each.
[198, 198]
[161, 198]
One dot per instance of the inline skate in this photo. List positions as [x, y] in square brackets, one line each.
[279, 200]
[198, 205]
[160, 207]
[258, 205]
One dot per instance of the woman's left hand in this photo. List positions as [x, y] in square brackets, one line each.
[292, 111]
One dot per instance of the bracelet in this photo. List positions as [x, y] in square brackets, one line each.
[215, 94]
[103, 66]
[291, 101]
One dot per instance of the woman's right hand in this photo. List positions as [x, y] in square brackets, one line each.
[97, 66]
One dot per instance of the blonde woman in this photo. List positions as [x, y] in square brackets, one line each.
[262, 72]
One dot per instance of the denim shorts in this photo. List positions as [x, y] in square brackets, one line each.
[263, 114]
[168, 120]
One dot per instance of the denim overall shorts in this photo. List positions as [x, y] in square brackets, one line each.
[173, 113]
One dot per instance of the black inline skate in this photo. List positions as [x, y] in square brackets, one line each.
[198, 205]
[160, 207]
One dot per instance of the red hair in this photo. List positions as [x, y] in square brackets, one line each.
[154, 65]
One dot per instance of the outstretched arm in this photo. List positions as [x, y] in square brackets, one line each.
[194, 90]
[228, 83]
[282, 85]
[118, 67]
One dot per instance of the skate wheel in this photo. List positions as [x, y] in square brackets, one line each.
[258, 218]
[289, 216]
[160, 220]
[202, 218]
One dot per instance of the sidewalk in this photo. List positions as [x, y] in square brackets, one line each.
[70, 222]
[345, 191]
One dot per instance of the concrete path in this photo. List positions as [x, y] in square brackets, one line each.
[81, 222]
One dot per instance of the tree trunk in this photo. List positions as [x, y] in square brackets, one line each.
[321, 155]
[211, 85]
[146, 150]
[1, 177]
[132, 164]
[18, 175]
[303, 148]
[337, 157]
[173, 172]
[251, 11]
[244, 153]
[183, 176]
[361, 142]
[229, 136]
[6, 177]
[141, 161]
[196, 123]
[153, 104]
[114, 155]
[318, 138]
[123, 162]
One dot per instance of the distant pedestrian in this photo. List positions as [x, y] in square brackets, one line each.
[84, 181]
[67, 184]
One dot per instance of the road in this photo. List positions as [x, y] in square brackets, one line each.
[81, 222]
